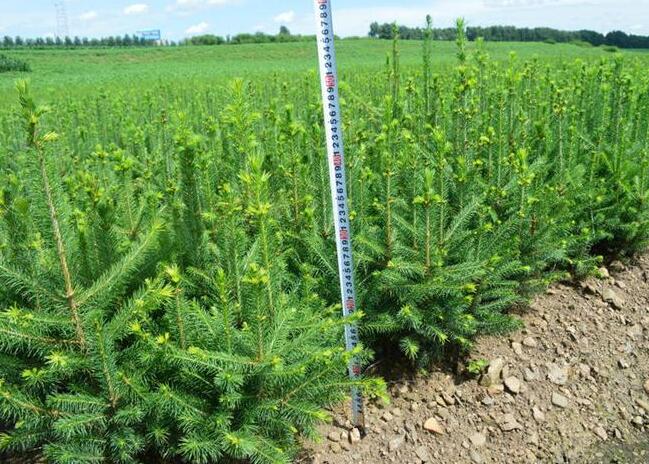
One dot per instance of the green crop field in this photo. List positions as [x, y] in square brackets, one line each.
[83, 70]
[168, 274]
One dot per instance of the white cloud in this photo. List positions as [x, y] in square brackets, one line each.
[188, 5]
[599, 15]
[285, 17]
[88, 16]
[562, 14]
[356, 20]
[533, 3]
[197, 28]
[136, 8]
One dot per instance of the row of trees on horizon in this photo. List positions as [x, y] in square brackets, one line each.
[284, 35]
[70, 42]
[378, 31]
[515, 34]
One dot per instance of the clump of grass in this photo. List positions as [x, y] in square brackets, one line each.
[581, 43]
[9, 64]
[610, 48]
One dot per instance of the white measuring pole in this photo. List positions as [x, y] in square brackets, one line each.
[337, 180]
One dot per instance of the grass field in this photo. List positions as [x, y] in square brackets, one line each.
[87, 70]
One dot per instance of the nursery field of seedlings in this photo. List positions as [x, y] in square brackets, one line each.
[168, 276]
[85, 71]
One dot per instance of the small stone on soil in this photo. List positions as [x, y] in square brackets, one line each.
[539, 416]
[509, 423]
[448, 399]
[475, 457]
[396, 443]
[529, 342]
[613, 299]
[493, 371]
[635, 331]
[432, 425]
[478, 439]
[334, 436]
[422, 453]
[559, 400]
[601, 433]
[646, 386]
[643, 404]
[354, 436]
[529, 375]
[557, 375]
[589, 287]
[513, 384]
[533, 439]
[496, 389]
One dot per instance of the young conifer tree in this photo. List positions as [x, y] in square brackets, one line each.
[252, 354]
[71, 392]
[450, 232]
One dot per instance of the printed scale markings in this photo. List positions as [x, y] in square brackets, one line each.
[336, 157]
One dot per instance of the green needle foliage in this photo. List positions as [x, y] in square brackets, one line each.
[243, 380]
[64, 388]
[168, 275]
[125, 341]
[493, 182]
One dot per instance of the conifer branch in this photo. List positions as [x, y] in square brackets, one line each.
[67, 278]
[31, 115]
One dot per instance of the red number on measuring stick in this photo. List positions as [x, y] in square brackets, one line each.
[330, 81]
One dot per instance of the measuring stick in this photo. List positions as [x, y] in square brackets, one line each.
[337, 181]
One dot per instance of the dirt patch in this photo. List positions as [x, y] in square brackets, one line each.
[572, 387]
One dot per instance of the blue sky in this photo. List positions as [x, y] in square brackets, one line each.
[182, 18]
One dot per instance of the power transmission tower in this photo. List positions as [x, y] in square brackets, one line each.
[62, 29]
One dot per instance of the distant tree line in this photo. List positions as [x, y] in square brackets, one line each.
[515, 34]
[72, 42]
[284, 35]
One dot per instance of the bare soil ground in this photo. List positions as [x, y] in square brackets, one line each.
[571, 387]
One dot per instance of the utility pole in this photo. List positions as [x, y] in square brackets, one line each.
[62, 28]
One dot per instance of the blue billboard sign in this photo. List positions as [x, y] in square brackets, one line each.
[152, 34]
